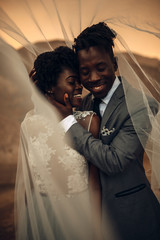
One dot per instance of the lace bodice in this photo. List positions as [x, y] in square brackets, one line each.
[55, 167]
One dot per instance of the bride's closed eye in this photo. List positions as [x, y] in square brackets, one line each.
[71, 80]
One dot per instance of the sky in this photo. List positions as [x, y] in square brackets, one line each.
[38, 20]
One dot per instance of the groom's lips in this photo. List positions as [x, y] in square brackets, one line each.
[96, 86]
[95, 83]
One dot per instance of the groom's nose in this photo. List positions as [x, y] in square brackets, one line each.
[94, 76]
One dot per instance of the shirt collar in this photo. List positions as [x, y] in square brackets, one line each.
[112, 90]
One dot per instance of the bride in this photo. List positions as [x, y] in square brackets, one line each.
[56, 189]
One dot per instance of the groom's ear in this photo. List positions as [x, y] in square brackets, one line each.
[115, 59]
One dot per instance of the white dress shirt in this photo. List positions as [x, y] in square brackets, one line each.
[67, 122]
[105, 101]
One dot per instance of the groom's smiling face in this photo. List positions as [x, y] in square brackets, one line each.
[97, 70]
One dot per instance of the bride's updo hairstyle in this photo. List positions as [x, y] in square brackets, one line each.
[96, 35]
[49, 65]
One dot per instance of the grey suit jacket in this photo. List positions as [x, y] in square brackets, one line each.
[127, 200]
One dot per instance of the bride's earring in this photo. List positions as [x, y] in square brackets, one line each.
[50, 92]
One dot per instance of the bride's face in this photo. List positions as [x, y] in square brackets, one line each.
[68, 82]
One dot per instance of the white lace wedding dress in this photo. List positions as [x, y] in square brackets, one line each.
[57, 204]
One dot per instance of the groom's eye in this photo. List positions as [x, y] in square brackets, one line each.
[84, 71]
[101, 67]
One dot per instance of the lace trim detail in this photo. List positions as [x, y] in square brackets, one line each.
[82, 114]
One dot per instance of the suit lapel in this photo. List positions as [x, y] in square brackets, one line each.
[115, 100]
[90, 103]
[87, 104]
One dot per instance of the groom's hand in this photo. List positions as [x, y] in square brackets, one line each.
[64, 109]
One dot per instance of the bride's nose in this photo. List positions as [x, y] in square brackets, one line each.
[78, 85]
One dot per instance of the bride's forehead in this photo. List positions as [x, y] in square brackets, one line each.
[67, 74]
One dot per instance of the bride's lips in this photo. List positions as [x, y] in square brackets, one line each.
[77, 96]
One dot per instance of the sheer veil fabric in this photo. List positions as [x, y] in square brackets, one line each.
[49, 20]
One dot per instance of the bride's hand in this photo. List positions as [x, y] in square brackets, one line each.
[64, 109]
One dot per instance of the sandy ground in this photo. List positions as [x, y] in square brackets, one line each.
[6, 213]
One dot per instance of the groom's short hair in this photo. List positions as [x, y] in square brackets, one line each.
[96, 35]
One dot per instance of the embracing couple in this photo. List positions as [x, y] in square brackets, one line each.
[103, 133]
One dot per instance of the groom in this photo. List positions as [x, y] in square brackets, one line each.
[127, 200]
